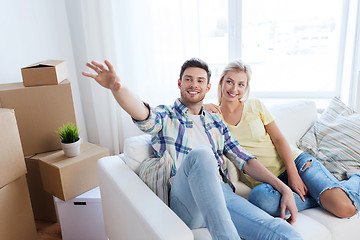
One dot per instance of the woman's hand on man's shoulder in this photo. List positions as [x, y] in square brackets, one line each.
[213, 108]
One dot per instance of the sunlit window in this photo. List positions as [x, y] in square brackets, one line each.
[296, 48]
[292, 46]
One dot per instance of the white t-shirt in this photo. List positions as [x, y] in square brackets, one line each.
[199, 136]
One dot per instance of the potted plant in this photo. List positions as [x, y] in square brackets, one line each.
[70, 140]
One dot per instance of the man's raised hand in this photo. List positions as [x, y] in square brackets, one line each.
[106, 77]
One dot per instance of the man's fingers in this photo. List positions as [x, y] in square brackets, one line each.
[99, 66]
[95, 68]
[108, 64]
[89, 75]
[290, 220]
[282, 213]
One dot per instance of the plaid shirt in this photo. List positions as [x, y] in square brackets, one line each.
[171, 130]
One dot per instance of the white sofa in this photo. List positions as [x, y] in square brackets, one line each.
[132, 211]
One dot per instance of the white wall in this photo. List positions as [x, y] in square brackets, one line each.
[32, 31]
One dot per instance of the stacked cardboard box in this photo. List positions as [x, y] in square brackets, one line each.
[40, 110]
[43, 103]
[66, 177]
[49, 72]
[16, 218]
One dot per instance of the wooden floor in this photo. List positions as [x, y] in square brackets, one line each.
[48, 230]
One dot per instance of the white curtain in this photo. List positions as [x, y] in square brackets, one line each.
[146, 41]
[92, 39]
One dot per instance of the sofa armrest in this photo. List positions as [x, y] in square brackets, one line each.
[131, 210]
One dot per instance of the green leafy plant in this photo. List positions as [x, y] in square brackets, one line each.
[68, 133]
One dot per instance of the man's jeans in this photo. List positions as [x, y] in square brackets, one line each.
[316, 178]
[201, 200]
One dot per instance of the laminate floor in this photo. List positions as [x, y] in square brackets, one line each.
[48, 230]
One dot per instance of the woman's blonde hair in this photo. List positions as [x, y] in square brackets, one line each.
[235, 66]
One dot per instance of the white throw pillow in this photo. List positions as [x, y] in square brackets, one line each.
[138, 148]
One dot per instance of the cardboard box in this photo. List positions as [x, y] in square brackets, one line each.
[42, 202]
[66, 177]
[39, 112]
[82, 217]
[12, 164]
[16, 218]
[49, 72]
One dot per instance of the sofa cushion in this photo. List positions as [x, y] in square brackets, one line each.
[155, 172]
[201, 234]
[340, 228]
[310, 229]
[136, 150]
[334, 139]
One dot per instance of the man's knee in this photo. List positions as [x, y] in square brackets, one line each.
[202, 155]
[202, 150]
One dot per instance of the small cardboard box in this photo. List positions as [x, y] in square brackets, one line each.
[49, 72]
[16, 218]
[66, 177]
[39, 112]
[42, 202]
[82, 216]
[12, 164]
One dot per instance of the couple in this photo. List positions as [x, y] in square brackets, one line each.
[196, 142]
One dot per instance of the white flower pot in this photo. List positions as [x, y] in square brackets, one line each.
[71, 149]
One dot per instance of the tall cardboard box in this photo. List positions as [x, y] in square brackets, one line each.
[16, 218]
[66, 177]
[39, 112]
[49, 72]
[42, 202]
[12, 164]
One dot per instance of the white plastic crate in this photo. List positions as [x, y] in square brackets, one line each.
[81, 218]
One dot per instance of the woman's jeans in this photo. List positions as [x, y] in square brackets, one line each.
[316, 178]
[201, 200]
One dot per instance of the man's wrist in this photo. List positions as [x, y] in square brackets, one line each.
[284, 189]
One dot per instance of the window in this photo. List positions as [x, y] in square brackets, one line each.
[295, 48]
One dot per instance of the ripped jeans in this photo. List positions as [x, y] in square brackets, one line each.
[316, 178]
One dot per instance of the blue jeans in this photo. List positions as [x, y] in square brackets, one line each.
[200, 199]
[316, 178]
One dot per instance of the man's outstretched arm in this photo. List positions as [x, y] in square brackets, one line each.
[108, 78]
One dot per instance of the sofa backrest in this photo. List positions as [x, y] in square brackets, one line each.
[294, 118]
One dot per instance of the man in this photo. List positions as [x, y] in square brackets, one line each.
[194, 143]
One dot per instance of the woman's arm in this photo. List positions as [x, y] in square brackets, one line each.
[256, 170]
[284, 151]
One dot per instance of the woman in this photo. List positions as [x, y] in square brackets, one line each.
[253, 126]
